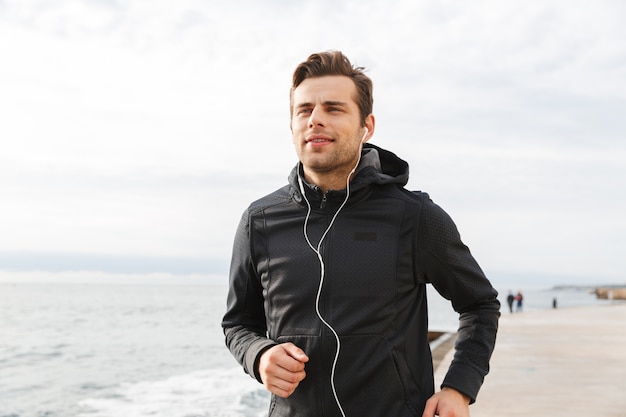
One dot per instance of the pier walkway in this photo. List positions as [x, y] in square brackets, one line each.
[567, 362]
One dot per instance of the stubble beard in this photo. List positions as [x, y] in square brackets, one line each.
[336, 166]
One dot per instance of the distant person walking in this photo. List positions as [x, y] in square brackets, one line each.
[519, 298]
[510, 299]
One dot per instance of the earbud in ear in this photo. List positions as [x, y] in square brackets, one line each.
[364, 135]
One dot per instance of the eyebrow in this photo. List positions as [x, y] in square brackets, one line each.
[327, 103]
[334, 103]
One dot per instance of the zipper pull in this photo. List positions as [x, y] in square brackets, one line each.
[324, 199]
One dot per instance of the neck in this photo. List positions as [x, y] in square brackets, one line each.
[327, 182]
[336, 179]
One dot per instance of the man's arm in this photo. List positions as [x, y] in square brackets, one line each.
[280, 367]
[244, 323]
[456, 275]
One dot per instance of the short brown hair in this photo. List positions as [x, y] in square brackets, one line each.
[336, 63]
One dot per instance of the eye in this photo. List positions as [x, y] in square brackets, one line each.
[304, 111]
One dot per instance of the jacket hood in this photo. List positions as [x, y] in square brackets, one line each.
[380, 166]
[377, 166]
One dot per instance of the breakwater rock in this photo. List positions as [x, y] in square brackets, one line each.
[611, 293]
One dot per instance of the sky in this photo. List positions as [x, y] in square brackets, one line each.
[135, 133]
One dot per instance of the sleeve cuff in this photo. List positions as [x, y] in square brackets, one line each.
[254, 355]
[464, 379]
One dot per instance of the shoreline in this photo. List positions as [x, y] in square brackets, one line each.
[440, 346]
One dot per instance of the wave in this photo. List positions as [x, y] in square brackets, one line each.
[208, 393]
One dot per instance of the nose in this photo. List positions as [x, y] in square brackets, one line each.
[316, 118]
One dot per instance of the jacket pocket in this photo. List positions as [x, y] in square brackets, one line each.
[375, 380]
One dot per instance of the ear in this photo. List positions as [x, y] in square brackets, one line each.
[370, 125]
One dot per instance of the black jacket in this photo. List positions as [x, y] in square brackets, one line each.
[386, 244]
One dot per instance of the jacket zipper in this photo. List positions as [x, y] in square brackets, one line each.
[324, 199]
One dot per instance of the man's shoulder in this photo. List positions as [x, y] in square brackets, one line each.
[419, 201]
[280, 196]
[416, 197]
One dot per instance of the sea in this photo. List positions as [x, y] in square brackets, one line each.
[144, 347]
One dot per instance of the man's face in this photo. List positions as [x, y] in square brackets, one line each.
[325, 124]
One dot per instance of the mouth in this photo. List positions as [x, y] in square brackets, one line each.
[318, 139]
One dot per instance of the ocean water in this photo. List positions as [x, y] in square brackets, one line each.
[124, 349]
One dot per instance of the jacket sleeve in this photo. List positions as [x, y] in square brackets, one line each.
[456, 275]
[244, 323]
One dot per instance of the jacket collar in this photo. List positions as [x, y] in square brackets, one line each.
[377, 166]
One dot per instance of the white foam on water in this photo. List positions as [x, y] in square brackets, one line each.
[211, 393]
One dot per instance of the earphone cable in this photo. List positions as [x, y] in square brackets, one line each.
[322, 269]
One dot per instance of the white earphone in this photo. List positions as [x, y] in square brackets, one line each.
[365, 134]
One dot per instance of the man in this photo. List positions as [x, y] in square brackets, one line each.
[327, 298]
[510, 299]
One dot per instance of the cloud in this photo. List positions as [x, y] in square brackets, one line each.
[144, 128]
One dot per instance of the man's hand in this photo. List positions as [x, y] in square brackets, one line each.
[447, 403]
[282, 368]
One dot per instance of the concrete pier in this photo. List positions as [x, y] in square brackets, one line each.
[566, 362]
